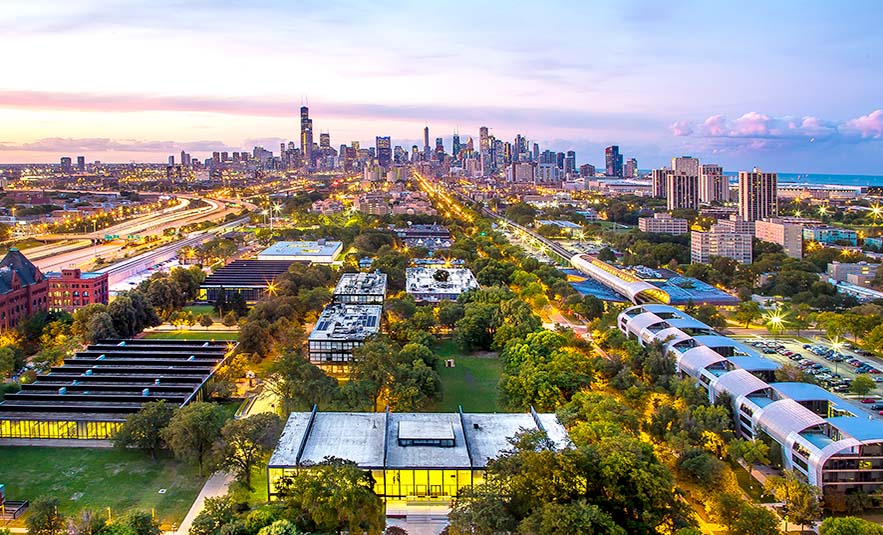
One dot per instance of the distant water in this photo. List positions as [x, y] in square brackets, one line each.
[823, 179]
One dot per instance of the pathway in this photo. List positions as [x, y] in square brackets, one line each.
[215, 486]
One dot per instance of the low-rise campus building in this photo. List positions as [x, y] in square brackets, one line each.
[251, 278]
[425, 456]
[71, 289]
[825, 439]
[313, 252]
[23, 289]
[92, 393]
[430, 285]
[663, 223]
[365, 288]
[340, 329]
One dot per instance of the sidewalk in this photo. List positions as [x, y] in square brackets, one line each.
[214, 487]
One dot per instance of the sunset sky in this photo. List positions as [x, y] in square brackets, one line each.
[788, 86]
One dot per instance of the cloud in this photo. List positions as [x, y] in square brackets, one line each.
[682, 128]
[62, 144]
[869, 126]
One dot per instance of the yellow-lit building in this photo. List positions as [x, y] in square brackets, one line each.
[426, 456]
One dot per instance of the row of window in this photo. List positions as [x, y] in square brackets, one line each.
[58, 429]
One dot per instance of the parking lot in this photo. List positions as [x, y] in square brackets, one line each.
[832, 369]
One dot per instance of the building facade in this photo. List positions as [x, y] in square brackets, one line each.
[758, 195]
[72, 289]
[362, 288]
[23, 289]
[787, 232]
[830, 235]
[681, 190]
[662, 223]
[340, 329]
[730, 238]
[713, 185]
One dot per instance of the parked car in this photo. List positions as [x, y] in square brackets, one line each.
[870, 400]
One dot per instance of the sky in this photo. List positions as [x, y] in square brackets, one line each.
[787, 86]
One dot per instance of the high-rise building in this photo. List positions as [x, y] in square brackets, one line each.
[455, 148]
[587, 170]
[785, 231]
[613, 161]
[439, 149]
[426, 148]
[384, 150]
[535, 154]
[81, 163]
[631, 168]
[325, 140]
[559, 160]
[66, 165]
[306, 135]
[570, 162]
[757, 194]
[172, 160]
[713, 185]
[658, 182]
[681, 190]
[185, 159]
[729, 238]
[685, 164]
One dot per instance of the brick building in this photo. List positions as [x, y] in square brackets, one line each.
[71, 289]
[23, 289]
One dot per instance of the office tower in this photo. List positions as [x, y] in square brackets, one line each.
[713, 185]
[559, 160]
[657, 181]
[439, 149]
[631, 168]
[757, 194]
[383, 149]
[536, 152]
[570, 162]
[415, 153]
[216, 158]
[185, 159]
[225, 157]
[66, 165]
[483, 139]
[306, 135]
[681, 190]
[426, 142]
[81, 163]
[324, 140]
[455, 148]
[172, 160]
[613, 161]
[587, 170]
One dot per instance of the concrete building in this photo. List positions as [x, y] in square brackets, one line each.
[681, 190]
[785, 231]
[314, 252]
[658, 182]
[431, 286]
[71, 289]
[340, 329]
[730, 238]
[826, 440]
[428, 457]
[662, 223]
[758, 195]
[861, 272]
[713, 185]
[827, 235]
[23, 289]
[252, 279]
[361, 288]
[686, 165]
[432, 237]
[521, 172]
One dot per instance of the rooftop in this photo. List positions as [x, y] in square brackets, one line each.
[347, 322]
[247, 273]
[304, 249]
[422, 280]
[361, 284]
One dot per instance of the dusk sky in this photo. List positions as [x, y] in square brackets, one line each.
[787, 86]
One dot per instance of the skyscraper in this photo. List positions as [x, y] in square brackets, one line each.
[613, 161]
[439, 149]
[426, 142]
[631, 168]
[66, 165]
[81, 163]
[685, 164]
[324, 140]
[657, 181]
[570, 162]
[171, 160]
[681, 190]
[306, 135]
[483, 139]
[758, 194]
[384, 150]
[455, 147]
[713, 185]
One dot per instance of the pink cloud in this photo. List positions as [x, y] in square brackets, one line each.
[751, 124]
[716, 125]
[682, 128]
[869, 126]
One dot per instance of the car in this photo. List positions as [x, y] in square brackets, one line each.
[880, 413]
[869, 400]
[877, 406]
[878, 379]
[807, 346]
[874, 371]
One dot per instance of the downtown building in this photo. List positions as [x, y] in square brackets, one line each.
[828, 441]
[682, 183]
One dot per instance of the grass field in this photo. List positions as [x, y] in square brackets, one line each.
[472, 382]
[195, 334]
[201, 309]
[98, 478]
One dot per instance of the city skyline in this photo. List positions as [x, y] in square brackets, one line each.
[785, 89]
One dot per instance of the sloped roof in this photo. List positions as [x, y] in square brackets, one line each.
[15, 262]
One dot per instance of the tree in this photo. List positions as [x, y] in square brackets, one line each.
[142, 523]
[86, 522]
[743, 518]
[333, 495]
[849, 525]
[238, 304]
[216, 513]
[220, 304]
[749, 451]
[862, 385]
[280, 527]
[230, 319]
[100, 327]
[748, 312]
[7, 361]
[144, 429]
[246, 441]
[193, 430]
[800, 498]
[206, 321]
[43, 517]
[299, 384]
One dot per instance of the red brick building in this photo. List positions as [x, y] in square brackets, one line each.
[72, 289]
[23, 289]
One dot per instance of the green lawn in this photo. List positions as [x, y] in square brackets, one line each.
[195, 334]
[472, 382]
[98, 478]
[201, 309]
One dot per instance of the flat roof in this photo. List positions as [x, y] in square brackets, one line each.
[859, 428]
[247, 273]
[422, 280]
[373, 283]
[319, 248]
[356, 436]
[423, 430]
[347, 321]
